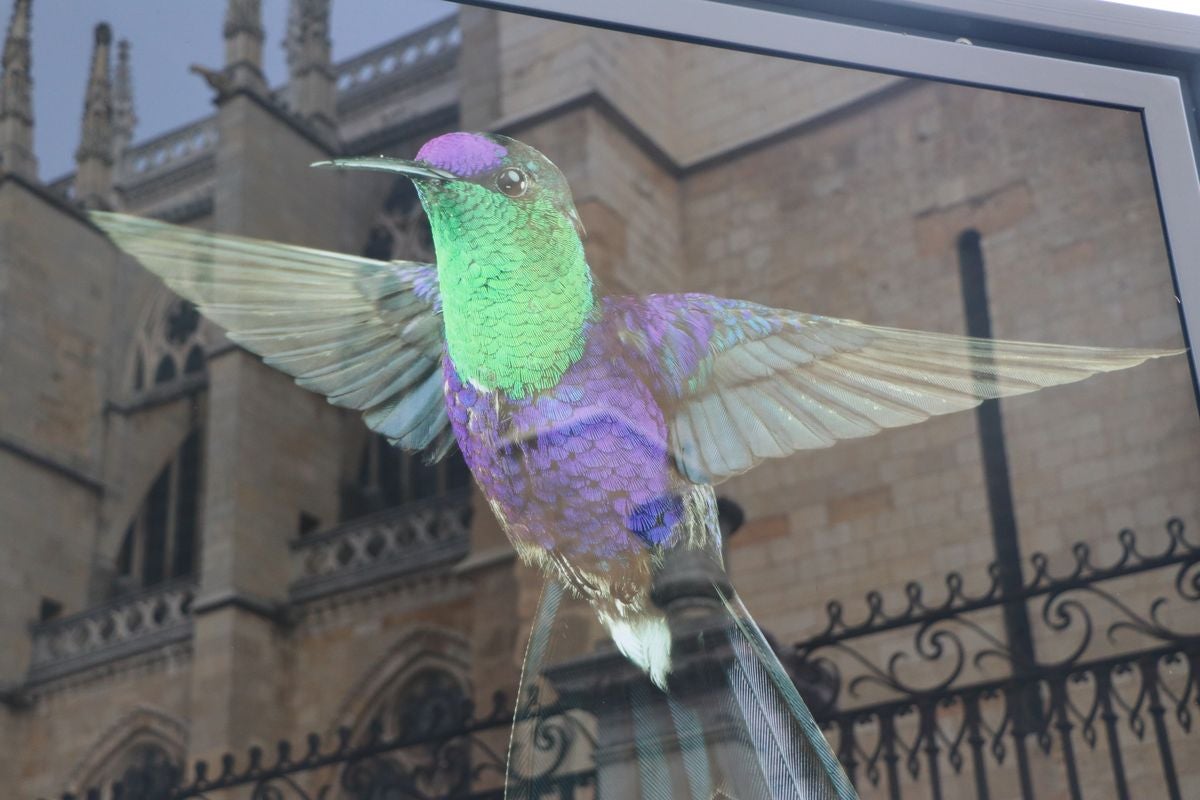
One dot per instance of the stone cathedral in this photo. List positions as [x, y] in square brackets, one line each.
[197, 556]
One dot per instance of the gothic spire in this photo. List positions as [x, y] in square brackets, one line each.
[124, 119]
[310, 69]
[94, 158]
[16, 97]
[243, 46]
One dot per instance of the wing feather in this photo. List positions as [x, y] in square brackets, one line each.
[365, 333]
[742, 382]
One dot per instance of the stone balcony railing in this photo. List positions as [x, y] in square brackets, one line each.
[398, 58]
[144, 621]
[169, 151]
[395, 542]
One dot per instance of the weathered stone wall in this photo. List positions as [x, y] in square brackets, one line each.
[55, 304]
[77, 725]
[726, 98]
[57, 298]
[859, 219]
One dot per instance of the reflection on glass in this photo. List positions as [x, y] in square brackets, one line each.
[604, 341]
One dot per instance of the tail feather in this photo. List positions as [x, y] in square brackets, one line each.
[690, 736]
[793, 753]
[653, 770]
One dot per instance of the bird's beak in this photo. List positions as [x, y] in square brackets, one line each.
[413, 169]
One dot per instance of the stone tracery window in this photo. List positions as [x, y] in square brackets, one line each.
[429, 708]
[144, 771]
[428, 703]
[170, 345]
[388, 476]
[161, 542]
[401, 229]
[149, 773]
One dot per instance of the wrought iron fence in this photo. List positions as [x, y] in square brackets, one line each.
[925, 700]
[441, 750]
[928, 701]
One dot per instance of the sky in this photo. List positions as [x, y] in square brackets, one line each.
[165, 37]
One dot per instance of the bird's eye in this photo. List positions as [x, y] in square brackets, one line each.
[512, 181]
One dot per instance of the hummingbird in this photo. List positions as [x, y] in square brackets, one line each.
[595, 425]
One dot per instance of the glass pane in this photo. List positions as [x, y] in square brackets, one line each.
[749, 515]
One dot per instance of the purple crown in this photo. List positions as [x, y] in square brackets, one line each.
[462, 153]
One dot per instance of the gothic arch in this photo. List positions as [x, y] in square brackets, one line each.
[420, 651]
[170, 342]
[401, 229]
[142, 730]
[383, 476]
[159, 539]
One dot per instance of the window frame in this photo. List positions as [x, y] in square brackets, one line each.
[1088, 51]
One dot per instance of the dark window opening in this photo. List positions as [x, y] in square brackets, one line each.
[388, 476]
[379, 244]
[187, 507]
[307, 523]
[182, 321]
[165, 371]
[429, 702]
[49, 609]
[458, 474]
[157, 506]
[195, 361]
[162, 541]
[149, 772]
[125, 556]
[422, 477]
[402, 198]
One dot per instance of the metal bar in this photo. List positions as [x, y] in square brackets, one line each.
[1105, 687]
[976, 740]
[1177, 556]
[1126, 24]
[1058, 699]
[1157, 711]
[1014, 697]
[929, 732]
[996, 473]
[890, 758]
[846, 750]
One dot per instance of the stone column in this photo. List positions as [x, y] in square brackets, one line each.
[16, 98]
[124, 118]
[311, 86]
[94, 158]
[272, 448]
[243, 46]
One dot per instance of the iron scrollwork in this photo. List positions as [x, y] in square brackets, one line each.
[434, 746]
[1115, 667]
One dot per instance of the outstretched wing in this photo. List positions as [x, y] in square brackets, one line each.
[742, 382]
[365, 333]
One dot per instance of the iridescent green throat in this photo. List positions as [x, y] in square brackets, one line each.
[516, 288]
